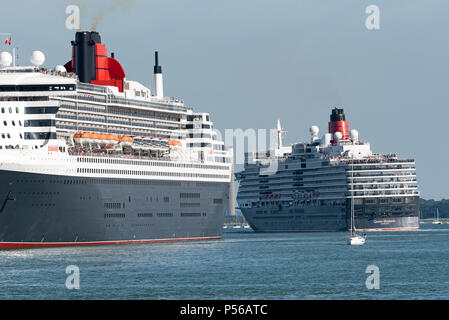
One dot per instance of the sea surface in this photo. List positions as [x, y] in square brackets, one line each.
[242, 265]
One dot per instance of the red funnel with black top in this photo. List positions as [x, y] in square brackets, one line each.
[91, 62]
[338, 123]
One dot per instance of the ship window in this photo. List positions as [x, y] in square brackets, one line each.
[3, 110]
[190, 214]
[35, 87]
[17, 109]
[5, 123]
[40, 135]
[8, 135]
[39, 110]
[10, 110]
[13, 123]
[3, 136]
[165, 214]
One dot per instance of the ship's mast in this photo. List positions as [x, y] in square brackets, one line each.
[279, 133]
[352, 198]
[232, 187]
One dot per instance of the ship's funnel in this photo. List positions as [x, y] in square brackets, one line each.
[338, 123]
[91, 62]
[158, 80]
[84, 55]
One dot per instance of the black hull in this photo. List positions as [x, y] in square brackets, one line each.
[328, 218]
[39, 209]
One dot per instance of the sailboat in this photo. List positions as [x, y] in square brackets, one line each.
[437, 220]
[354, 238]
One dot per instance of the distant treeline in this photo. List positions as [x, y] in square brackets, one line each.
[429, 208]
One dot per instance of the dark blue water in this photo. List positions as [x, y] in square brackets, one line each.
[243, 265]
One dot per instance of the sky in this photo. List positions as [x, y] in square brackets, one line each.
[248, 63]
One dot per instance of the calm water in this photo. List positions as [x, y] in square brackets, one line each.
[243, 265]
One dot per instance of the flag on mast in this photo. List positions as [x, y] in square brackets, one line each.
[8, 40]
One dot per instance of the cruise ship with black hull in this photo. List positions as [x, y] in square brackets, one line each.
[88, 157]
[314, 186]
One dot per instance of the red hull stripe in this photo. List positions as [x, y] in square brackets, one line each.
[12, 245]
[389, 229]
[292, 231]
[374, 229]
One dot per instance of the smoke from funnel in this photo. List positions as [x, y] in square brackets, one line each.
[126, 4]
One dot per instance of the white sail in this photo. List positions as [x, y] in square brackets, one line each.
[354, 238]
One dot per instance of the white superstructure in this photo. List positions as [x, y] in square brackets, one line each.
[42, 111]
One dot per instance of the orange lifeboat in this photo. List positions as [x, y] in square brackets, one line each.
[126, 141]
[77, 137]
[112, 139]
[174, 143]
[85, 138]
[96, 138]
[103, 138]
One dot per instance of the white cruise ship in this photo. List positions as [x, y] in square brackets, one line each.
[311, 186]
[89, 157]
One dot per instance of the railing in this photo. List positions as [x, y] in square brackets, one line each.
[133, 102]
[389, 158]
[91, 87]
[76, 152]
[58, 73]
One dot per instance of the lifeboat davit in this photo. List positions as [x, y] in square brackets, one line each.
[164, 143]
[77, 138]
[86, 138]
[137, 143]
[126, 141]
[96, 138]
[159, 144]
[137, 139]
[103, 139]
[112, 139]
